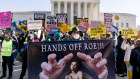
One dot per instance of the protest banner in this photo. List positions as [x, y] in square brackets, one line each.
[5, 19]
[61, 18]
[108, 22]
[98, 32]
[38, 53]
[51, 23]
[54, 30]
[81, 19]
[129, 33]
[34, 25]
[83, 26]
[95, 24]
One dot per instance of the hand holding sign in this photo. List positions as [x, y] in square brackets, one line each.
[97, 64]
[52, 69]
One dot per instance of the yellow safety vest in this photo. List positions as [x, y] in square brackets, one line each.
[7, 48]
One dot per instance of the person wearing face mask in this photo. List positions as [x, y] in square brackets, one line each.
[7, 52]
[75, 34]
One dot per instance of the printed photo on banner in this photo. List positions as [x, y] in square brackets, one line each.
[129, 33]
[73, 59]
[34, 25]
[5, 19]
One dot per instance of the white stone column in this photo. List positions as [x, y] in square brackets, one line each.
[65, 7]
[85, 9]
[98, 10]
[72, 12]
[52, 8]
[91, 7]
[59, 6]
[79, 9]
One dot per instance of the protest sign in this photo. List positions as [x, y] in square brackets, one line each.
[5, 19]
[129, 33]
[13, 26]
[95, 24]
[54, 30]
[108, 22]
[51, 23]
[34, 25]
[39, 16]
[114, 29]
[38, 53]
[81, 19]
[83, 26]
[61, 18]
[98, 32]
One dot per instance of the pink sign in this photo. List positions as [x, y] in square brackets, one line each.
[108, 21]
[5, 19]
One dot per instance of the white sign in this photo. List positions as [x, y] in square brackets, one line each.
[34, 24]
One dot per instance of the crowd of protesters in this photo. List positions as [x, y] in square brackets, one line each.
[13, 45]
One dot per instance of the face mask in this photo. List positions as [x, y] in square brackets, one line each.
[76, 36]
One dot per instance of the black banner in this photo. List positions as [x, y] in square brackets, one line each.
[38, 53]
[51, 20]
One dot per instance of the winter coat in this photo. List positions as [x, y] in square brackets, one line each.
[135, 54]
[127, 49]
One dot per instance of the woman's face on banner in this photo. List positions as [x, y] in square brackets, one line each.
[74, 66]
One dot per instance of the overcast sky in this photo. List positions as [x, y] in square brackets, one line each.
[114, 6]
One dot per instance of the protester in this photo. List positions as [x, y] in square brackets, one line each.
[126, 45]
[135, 60]
[120, 64]
[52, 69]
[75, 34]
[66, 37]
[15, 46]
[1, 37]
[47, 37]
[58, 36]
[24, 60]
[7, 55]
[52, 37]
[108, 36]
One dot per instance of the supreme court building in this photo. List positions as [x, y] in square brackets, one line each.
[80, 8]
